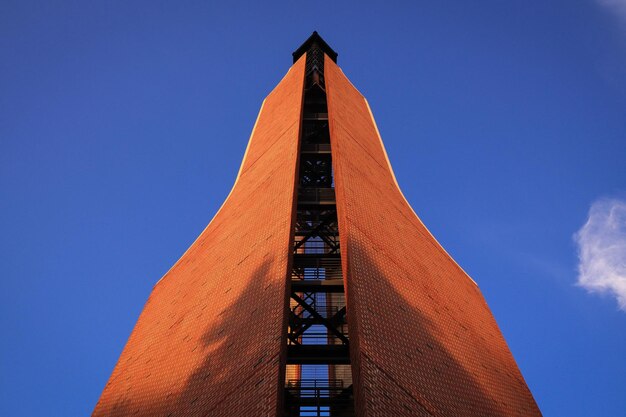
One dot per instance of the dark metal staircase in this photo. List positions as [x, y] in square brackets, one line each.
[318, 376]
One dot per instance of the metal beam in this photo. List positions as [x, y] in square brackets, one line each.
[317, 285]
[318, 354]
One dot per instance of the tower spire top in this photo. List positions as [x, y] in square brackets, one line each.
[315, 39]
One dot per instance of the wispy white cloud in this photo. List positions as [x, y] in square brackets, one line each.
[602, 250]
[617, 7]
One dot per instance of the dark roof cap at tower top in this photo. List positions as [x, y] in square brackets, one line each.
[315, 38]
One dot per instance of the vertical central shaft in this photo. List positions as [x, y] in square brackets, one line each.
[318, 375]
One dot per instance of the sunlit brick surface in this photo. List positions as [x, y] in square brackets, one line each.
[209, 340]
[423, 341]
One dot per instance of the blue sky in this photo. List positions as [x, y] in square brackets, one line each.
[122, 126]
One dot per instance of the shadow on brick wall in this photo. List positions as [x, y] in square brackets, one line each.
[414, 363]
[238, 373]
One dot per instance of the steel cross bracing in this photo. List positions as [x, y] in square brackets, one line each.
[318, 230]
[308, 312]
[315, 170]
[318, 376]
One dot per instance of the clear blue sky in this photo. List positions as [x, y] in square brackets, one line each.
[122, 126]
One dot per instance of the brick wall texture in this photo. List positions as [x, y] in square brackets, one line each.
[423, 341]
[209, 340]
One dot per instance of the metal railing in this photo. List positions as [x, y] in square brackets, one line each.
[312, 267]
[315, 116]
[319, 397]
[316, 245]
[315, 148]
[316, 195]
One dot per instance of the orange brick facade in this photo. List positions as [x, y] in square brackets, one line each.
[211, 338]
[423, 341]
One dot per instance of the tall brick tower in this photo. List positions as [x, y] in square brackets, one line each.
[316, 290]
